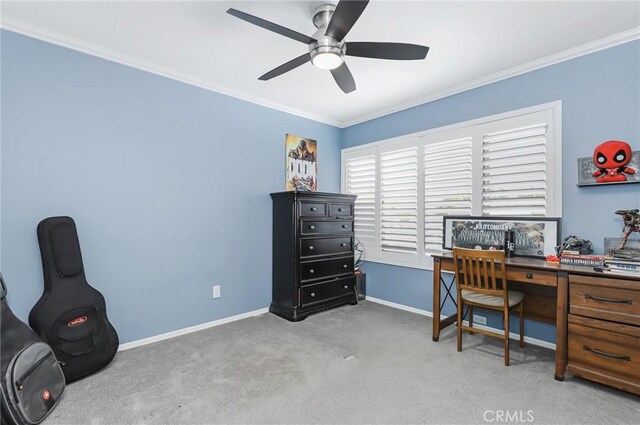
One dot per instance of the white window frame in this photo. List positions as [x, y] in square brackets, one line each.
[474, 128]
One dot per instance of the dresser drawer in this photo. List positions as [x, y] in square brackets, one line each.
[323, 291]
[325, 246]
[617, 300]
[341, 210]
[312, 270]
[312, 209]
[534, 276]
[605, 352]
[324, 227]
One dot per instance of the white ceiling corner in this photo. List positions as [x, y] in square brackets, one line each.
[472, 44]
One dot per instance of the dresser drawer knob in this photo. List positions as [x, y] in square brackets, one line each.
[605, 354]
[340, 209]
[606, 300]
[310, 247]
[346, 286]
[343, 244]
[529, 275]
[311, 271]
[313, 294]
[312, 227]
[344, 226]
[345, 266]
[314, 209]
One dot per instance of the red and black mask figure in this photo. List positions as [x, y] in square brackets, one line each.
[612, 158]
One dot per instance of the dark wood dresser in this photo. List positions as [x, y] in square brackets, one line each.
[312, 253]
[604, 329]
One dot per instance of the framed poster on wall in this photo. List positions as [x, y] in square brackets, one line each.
[534, 236]
[302, 164]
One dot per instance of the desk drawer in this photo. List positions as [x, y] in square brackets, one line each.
[320, 227]
[533, 276]
[326, 290]
[617, 300]
[605, 352]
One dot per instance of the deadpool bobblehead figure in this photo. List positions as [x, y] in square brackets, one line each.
[611, 158]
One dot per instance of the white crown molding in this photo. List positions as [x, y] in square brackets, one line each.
[585, 49]
[30, 30]
[527, 339]
[33, 31]
[190, 329]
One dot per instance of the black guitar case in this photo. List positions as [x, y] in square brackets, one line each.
[71, 315]
[31, 381]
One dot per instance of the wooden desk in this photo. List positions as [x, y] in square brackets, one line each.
[603, 310]
[529, 271]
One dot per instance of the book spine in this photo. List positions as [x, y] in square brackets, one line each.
[581, 262]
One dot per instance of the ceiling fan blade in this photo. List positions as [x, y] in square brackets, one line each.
[396, 51]
[278, 29]
[343, 77]
[345, 15]
[286, 67]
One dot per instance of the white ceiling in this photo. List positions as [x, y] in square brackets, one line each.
[472, 42]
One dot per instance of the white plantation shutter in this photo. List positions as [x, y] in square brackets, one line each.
[504, 165]
[447, 187]
[360, 179]
[514, 172]
[399, 200]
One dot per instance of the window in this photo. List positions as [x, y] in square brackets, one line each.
[399, 200]
[448, 188]
[360, 173]
[508, 164]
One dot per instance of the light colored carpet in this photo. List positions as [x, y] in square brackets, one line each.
[351, 365]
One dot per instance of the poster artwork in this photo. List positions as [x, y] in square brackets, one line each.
[302, 163]
[529, 237]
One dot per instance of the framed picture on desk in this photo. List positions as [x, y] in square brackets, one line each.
[534, 236]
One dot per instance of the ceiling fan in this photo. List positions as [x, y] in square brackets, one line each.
[327, 47]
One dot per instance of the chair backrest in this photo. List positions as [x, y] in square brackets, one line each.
[481, 271]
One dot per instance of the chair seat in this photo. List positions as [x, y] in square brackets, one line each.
[515, 298]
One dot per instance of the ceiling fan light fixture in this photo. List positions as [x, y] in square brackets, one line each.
[327, 60]
[327, 57]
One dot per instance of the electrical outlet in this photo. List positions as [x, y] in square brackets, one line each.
[216, 291]
[480, 320]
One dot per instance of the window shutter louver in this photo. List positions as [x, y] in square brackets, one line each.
[447, 187]
[514, 172]
[399, 201]
[361, 181]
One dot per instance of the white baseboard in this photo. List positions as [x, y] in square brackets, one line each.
[190, 329]
[527, 339]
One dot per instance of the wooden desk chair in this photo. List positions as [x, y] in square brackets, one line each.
[482, 281]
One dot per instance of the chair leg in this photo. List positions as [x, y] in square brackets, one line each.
[521, 325]
[506, 336]
[470, 319]
[459, 324]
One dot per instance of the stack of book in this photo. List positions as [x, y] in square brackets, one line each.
[575, 259]
[622, 266]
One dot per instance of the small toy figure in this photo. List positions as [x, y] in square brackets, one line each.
[611, 159]
[631, 220]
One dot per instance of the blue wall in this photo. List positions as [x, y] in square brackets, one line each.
[601, 101]
[150, 168]
[168, 183]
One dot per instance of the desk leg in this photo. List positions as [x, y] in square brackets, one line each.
[562, 312]
[436, 299]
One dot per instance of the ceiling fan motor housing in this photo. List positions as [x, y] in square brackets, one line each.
[325, 46]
